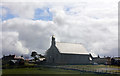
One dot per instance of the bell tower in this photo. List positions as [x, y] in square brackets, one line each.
[53, 40]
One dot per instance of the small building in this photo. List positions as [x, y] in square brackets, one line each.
[9, 57]
[105, 60]
[12, 59]
[115, 61]
[67, 53]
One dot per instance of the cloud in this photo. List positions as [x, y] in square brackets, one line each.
[34, 34]
[4, 12]
[11, 44]
[42, 14]
[22, 9]
[94, 24]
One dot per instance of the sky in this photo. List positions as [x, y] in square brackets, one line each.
[27, 26]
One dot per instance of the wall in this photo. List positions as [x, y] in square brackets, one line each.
[73, 59]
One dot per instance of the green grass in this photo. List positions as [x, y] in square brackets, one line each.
[94, 68]
[31, 69]
[38, 71]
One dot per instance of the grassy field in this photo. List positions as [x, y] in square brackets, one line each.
[95, 68]
[61, 69]
[40, 70]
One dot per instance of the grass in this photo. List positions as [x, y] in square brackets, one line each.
[39, 70]
[94, 68]
[61, 69]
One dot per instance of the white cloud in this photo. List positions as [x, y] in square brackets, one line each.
[94, 24]
[23, 9]
[12, 45]
[3, 12]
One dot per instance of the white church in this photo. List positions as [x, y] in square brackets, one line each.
[67, 53]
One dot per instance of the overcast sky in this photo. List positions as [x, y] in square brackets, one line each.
[28, 26]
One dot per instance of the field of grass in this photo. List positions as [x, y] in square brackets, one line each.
[94, 68]
[60, 69]
[39, 70]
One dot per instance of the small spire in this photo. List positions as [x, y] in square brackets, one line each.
[53, 40]
[53, 37]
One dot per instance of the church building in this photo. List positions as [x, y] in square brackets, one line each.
[67, 53]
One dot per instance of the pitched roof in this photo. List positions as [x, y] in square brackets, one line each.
[71, 48]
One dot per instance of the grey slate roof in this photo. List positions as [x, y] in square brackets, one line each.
[71, 48]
